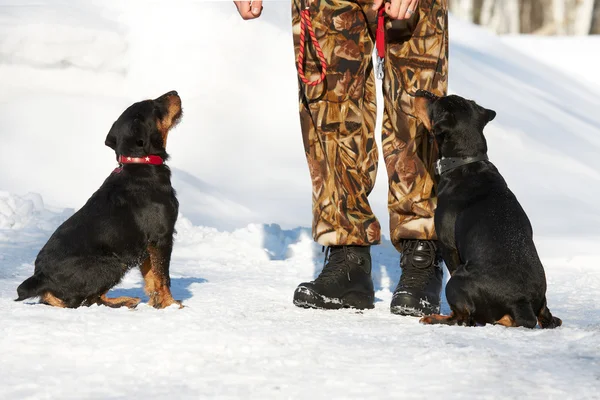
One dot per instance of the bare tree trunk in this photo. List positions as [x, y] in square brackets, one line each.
[534, 14]
[595, 25]
[582, 19]
[502, 16]
[513, 16]
[525, 15]
[558, 15]
[477, 5]
[487, 9]
[462, 9]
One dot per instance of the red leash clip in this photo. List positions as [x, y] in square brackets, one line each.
[306, 24]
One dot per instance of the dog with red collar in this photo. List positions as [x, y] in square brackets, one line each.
[129, 222]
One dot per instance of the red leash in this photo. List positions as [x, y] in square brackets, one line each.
[305, 24]
[380, 41]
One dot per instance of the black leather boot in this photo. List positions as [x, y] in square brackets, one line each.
[344, 282]
[418, 292]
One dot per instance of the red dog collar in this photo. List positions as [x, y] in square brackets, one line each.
[153, 160]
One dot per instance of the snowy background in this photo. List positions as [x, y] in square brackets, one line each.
[69, 68]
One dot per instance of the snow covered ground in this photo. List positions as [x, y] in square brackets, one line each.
[66, 72]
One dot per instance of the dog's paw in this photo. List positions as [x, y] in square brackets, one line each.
[160, 302]
[133, 302]
[438, 319]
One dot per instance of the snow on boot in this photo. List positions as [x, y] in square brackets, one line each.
[418, 292]
[344, 282]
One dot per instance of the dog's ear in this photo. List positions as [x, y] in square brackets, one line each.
[488, 115]
[111, 138]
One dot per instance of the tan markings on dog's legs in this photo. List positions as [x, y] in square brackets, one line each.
[507, 321]
[52, 300]
[160, 296]
[149, 277]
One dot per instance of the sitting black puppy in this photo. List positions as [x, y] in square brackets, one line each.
[129, 222]
[485, 236]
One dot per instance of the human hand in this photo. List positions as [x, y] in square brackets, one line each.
[249, 9]
[398, 9]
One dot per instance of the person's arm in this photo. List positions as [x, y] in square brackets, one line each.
[398, 9]
[249, 9]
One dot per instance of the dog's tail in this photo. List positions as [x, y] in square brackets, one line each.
[33, 286]
[546, 320]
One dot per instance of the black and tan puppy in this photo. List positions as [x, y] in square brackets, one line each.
[128, 223]
[484, 234]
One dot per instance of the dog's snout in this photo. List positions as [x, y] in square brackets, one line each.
[170, 111]
[428, 95]
[170, 96]
[423, 100]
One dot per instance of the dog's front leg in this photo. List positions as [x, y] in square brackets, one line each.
[445, 222]
[155, 271]
[451, 258]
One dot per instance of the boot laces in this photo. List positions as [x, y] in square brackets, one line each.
[335, 265]
[412, 275]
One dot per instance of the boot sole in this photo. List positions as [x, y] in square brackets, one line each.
[306, 298]
[412, 307]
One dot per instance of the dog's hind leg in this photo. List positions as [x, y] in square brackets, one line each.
[546, 320]
[32, 287]
[507, 321]
[51, 300]
[155, 271]
[461, 305]
[129, 302]
[523, 315]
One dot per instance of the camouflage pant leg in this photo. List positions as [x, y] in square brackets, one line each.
[416, 58]
[338, 121]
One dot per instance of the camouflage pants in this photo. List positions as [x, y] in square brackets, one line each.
[338, 119]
